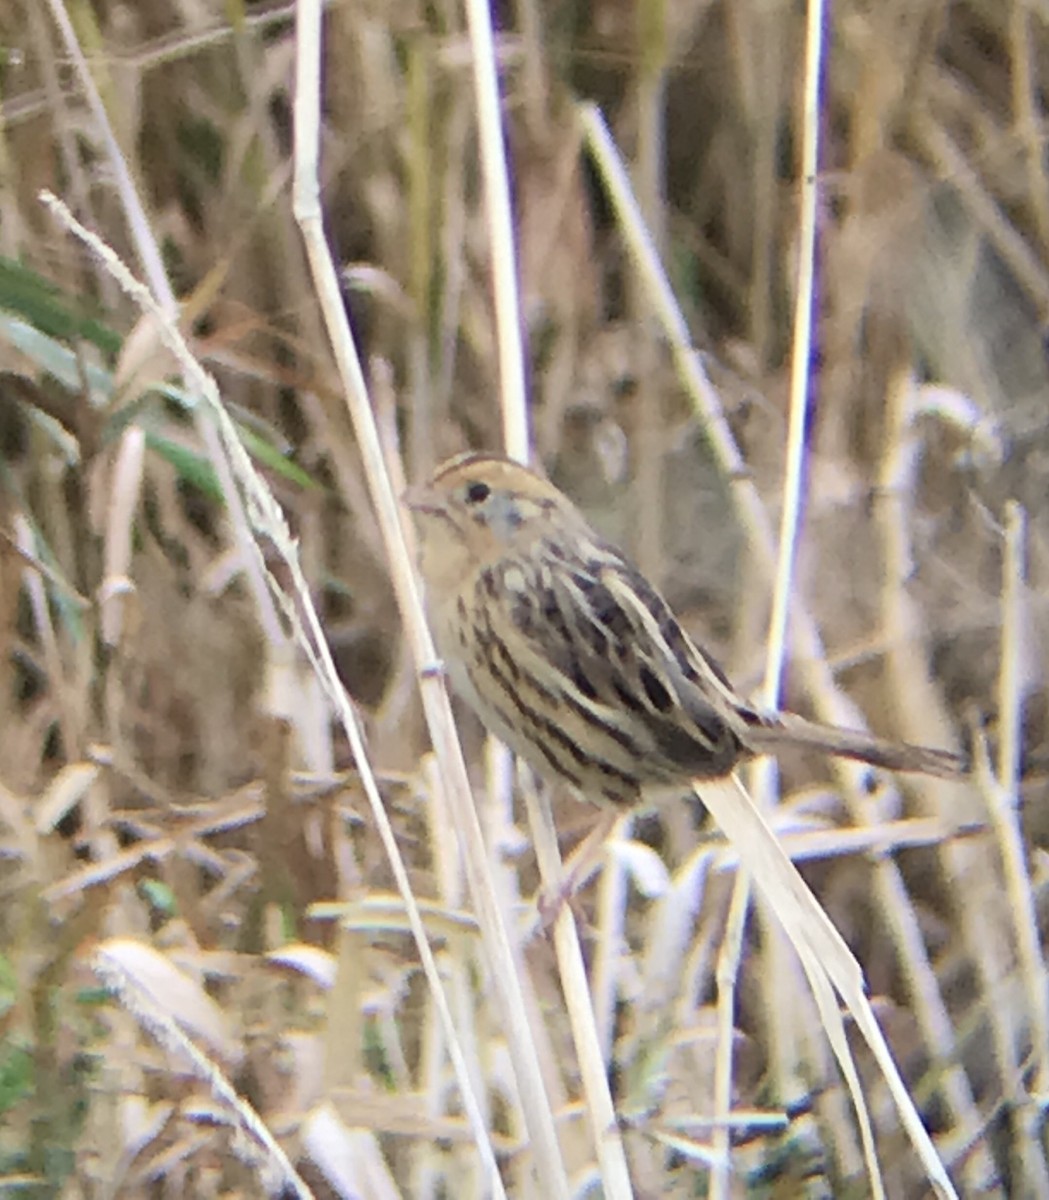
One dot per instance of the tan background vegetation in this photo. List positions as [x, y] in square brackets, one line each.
[151, 788]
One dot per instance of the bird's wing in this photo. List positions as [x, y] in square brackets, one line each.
[609, 645]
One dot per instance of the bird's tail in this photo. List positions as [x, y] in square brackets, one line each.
[786, 729]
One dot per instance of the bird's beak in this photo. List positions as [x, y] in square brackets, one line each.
[420, 497]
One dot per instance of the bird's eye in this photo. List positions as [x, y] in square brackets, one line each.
[477, 492]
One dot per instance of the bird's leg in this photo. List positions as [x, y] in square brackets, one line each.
[581, 864]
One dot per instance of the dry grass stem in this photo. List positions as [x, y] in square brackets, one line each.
[368, 237]
[536, 1107]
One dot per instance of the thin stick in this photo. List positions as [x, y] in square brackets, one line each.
[801, 359]
[827, 960]
[152, 263]
[764, 776]
[809, 659]
[609, 940]
[600, 1111]
[608, 1144]
[497, 206]
[896, 490]
[727, 975]
[1006, 810]
[535, 1105]
[1027, 113]
[831, 703]
[268, 518]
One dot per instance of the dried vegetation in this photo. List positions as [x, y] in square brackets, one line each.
[171, 820]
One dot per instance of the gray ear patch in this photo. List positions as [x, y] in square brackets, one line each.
[502, 514]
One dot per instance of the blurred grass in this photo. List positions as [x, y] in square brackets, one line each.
[206, 830]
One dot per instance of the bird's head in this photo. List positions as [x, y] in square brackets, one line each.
[476, 509]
